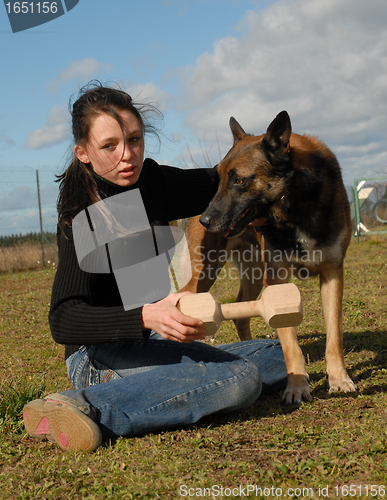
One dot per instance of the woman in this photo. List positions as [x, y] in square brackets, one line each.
[138, 370]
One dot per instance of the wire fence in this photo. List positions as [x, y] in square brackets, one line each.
[369, 210]
[28, 204]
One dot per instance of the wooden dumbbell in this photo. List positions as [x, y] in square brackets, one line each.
[280, 306]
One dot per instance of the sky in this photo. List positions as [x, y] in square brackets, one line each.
[200, 62]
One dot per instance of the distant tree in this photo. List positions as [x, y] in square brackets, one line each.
[25, 239]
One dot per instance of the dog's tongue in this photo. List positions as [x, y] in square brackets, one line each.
[258, 222]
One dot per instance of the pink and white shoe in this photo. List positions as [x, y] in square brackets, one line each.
[62, 423]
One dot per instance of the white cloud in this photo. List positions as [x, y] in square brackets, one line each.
[81, 69]
[325, 62]
[56, 130]
[148, 93]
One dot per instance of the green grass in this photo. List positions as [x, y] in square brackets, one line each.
[333, 442]
[13, 396]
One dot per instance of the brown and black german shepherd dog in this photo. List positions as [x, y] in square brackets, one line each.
[292, 185]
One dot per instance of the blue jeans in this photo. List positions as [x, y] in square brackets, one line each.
[136, 387]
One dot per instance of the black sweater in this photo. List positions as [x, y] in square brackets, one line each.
[86, 308]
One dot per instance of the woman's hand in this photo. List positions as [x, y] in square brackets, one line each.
[165, 319]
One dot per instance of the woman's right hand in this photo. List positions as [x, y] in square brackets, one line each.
[165, 319]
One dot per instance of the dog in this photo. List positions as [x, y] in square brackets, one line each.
[281, 201]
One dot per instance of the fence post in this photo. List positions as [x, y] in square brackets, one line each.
[357, 209]
[41, 219]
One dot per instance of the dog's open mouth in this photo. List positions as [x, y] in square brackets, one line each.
[240, 224]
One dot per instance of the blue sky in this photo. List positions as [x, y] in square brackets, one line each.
[135, 44]
[200, 62]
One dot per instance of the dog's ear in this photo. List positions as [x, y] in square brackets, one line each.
[279, 131]
[236, 129]
[277, 138]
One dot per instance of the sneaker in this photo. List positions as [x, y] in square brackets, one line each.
[62, 423]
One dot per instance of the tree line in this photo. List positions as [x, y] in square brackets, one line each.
[28, 238]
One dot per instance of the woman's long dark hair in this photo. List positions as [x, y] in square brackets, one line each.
[77, 185]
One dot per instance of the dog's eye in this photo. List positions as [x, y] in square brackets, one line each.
[239, 181]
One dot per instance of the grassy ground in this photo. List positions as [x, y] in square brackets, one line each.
[334, 447]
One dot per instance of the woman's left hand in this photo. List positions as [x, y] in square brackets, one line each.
[164, 318]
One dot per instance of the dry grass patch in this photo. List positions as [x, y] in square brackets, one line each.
[26, 257]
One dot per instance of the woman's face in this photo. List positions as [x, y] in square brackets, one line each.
[113, 155]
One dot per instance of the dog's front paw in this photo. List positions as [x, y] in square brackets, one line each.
[297, 390]
[344, 384]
